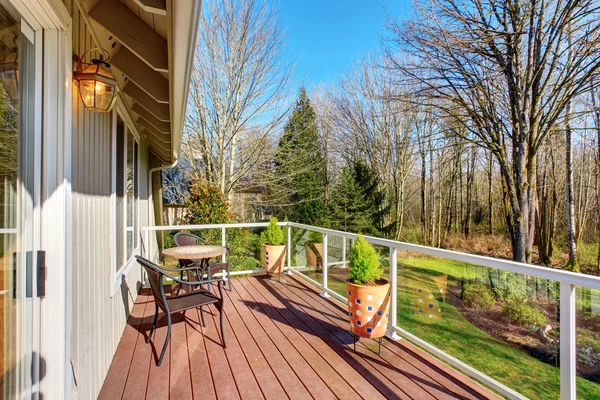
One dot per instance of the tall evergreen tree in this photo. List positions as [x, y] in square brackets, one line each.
[356, 202]
[300, 167]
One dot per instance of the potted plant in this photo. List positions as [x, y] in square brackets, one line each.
[314, 250]
[273, 248]
[368, 293]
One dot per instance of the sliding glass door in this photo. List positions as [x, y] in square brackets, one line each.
[18, 195]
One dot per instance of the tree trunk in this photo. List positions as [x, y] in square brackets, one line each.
[490, 194]
[469, 200]
[572, 264]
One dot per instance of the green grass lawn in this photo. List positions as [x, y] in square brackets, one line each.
[449, 331]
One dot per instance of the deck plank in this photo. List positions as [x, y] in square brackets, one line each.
[293, 386]
[200, 374]
[284, 340]
[402, 376]
[296, 351]
[270, 386]
[364, 378]
[181, 385]
[319, 378]
[158, 387]
[428, 367]
[116, 379]
[140, 364]
[244, 377]
[223, 379]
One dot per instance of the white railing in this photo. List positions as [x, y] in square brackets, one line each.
[569, 281]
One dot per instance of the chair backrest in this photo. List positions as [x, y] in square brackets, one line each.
[185, 239]
[155, 276]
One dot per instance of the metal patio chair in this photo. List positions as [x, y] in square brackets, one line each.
[187, 239]
[179, 303]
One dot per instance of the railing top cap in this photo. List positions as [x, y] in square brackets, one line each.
[572, 278]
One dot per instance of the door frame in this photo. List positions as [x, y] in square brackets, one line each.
[51, 23]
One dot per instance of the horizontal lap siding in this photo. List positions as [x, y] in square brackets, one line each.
[98, 317]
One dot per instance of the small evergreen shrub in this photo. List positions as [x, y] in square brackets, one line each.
[522, 313]
[273, 235]
[478, 296]
[315, 237]
[364, 263]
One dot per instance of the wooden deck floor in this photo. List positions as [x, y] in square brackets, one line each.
[284, 341]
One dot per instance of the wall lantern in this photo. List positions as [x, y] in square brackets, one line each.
[98, 87]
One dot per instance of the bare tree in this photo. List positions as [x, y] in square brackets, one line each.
[502, 68]
[377, 128]
[238, 91]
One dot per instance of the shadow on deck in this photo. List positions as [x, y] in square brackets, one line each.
[284, 341]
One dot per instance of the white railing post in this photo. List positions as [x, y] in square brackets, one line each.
[223, 243]
[289, 250]
[344, 252]
[568, 342]
[146, 244]
[393, 294]
[325, 294]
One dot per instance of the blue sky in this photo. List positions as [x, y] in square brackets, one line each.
[327, 36]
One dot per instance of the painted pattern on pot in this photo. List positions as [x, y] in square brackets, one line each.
[368, 309]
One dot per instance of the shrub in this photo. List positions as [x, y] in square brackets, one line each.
[273, 235]
[315, 237]
[478, 296]
[364, 263]
[522, 313]
[207, 205]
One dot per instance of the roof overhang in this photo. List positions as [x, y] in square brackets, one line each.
[152, 45]
[185, 18]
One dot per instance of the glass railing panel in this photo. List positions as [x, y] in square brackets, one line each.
[299, 237]
[502, 324]
[337, 270]
[245, 248]
[588, 343]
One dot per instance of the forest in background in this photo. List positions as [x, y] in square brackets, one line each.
[474, 128]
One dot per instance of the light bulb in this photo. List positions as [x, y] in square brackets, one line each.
[99, 88]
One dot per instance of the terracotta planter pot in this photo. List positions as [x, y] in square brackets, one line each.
[314, 255]
[368, 308]
[274, 258]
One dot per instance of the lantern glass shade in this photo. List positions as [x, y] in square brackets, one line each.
[97, 87]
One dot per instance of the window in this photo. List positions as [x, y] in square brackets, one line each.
[126, 193]
[132, 195]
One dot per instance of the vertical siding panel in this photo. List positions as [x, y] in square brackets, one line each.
[98, 319]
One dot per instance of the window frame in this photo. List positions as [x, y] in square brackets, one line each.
[119, 272]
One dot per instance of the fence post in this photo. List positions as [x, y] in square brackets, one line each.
[325, 294]
[289, 250]
[393, 291]
[344, 252]
[568, 342]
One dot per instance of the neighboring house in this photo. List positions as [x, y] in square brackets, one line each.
[76, 185]
[174, 214]
[248, 203]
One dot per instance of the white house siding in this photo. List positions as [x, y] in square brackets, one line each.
[98, 316]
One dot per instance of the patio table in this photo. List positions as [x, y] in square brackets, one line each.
[199, 254]
[196, 252]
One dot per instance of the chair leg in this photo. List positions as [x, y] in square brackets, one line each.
[202, 317]
[229, 278]
[221, 314]
[153, 323]
[162, 353]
